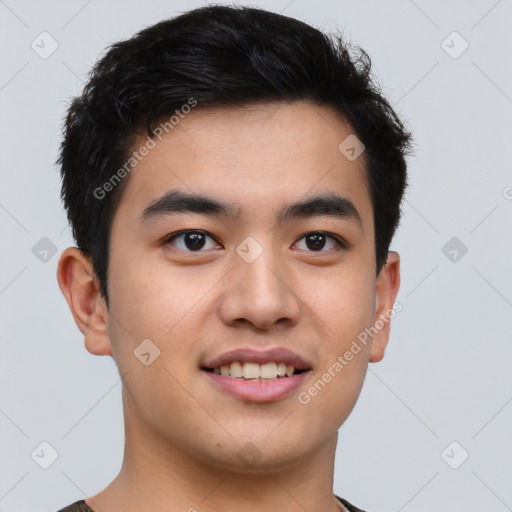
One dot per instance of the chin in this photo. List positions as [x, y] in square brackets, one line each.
[256, 456]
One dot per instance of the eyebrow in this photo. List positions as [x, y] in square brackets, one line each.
[178, 201]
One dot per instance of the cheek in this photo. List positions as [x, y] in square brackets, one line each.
[346, 305]
[343, 301]
[149, 305]
[347, 308]
[168, 307]
[152, 300]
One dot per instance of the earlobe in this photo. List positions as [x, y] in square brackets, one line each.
[388, 283]
[80, 287]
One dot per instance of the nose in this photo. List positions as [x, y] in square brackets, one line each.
[259, 293]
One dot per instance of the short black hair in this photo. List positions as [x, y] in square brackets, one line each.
[220, 56]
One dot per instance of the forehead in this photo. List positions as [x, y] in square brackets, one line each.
[256, 157]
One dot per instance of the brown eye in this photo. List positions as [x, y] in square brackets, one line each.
[191, 240]
[317, 241]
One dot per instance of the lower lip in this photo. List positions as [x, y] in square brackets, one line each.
[258, 390]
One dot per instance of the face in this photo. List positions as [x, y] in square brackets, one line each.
[200, 283]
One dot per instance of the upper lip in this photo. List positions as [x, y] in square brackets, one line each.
[278, 355]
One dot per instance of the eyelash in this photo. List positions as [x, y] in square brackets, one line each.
[339, 242]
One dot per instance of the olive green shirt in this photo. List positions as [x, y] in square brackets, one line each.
[81, 506]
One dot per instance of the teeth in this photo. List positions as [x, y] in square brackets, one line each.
[255, 371]
[268, 371]
[236, 369]
[251, 371]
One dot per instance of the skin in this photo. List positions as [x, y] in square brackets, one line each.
[182, 434]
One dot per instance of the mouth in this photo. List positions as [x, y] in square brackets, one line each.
[257, 376]
[253, 371]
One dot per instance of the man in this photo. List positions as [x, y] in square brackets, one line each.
[233, 179]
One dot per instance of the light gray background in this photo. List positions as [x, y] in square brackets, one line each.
[446, 375]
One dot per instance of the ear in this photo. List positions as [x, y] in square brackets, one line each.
[80, 287]
[387, 286]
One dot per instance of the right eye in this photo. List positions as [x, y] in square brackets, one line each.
[190, 240]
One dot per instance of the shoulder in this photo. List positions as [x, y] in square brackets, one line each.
[78, 506]
[350, 507]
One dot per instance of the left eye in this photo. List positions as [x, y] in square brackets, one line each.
[195, 240]
[317, 240]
